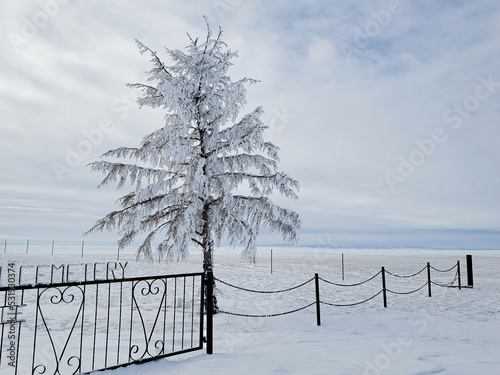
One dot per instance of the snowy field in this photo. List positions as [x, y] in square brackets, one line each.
[454, 332]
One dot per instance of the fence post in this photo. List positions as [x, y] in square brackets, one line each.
[458, 274]
[342, 266]
[5, 247]
[318, 312]
[27, 246]
[83, 242]
[210, 311]
[384, 290]
[429, 279]
[470, 276]
[271, 261]
[52, 252]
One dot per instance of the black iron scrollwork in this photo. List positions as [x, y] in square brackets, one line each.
[48, 328]
[83, 326]
[148, 347]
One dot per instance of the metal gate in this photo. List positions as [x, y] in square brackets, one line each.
[75, 327]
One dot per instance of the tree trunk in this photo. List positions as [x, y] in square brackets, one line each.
[207, 258]
[208, 248]
[208, 243]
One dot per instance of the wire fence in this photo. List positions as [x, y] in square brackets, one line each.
[379, 277]
[66, 248]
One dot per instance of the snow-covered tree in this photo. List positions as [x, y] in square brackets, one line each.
[206, 174]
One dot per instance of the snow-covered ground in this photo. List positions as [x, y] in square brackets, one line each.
[454, 332]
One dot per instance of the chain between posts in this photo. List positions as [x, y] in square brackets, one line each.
[443, 271]
[264, 291]
[352, 304]
[356, 284]
[407, 276]
[404, 293]
[318, 301]
[267, 315]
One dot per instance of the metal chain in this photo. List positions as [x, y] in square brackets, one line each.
[264, 291]
[448, 270]
[363, 282]
[446, 285]
[352, 304]
[406, 276]
[266, 315]
[413, 291]
[335, 284]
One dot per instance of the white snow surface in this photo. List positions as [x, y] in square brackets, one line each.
[453, 332]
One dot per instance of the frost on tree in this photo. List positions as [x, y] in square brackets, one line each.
[206, 174]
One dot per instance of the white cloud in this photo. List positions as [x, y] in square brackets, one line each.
[350, 119]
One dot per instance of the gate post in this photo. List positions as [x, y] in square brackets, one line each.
[210, 311]
[470, 276]
[458, 275]
[318, 313]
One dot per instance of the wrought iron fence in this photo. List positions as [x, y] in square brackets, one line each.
[75, 327]
[62, 273]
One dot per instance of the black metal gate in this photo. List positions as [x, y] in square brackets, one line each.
[75, 327]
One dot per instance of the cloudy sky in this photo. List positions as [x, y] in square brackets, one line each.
[387, 112]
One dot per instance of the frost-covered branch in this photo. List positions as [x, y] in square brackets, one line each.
[187, 172]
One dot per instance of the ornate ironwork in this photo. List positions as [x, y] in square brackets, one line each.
[70, 328]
